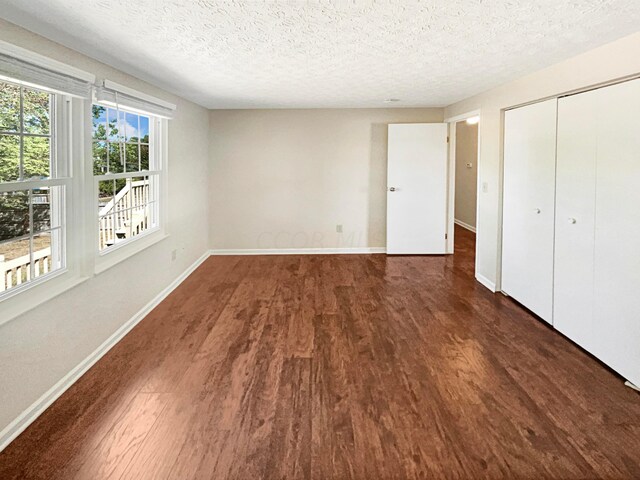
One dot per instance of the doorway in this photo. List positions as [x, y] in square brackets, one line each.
[463, 184]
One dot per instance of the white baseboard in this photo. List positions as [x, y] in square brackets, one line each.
[16, 427]
[298, 251]
[486, 282]
[465, 225]
[631, 385]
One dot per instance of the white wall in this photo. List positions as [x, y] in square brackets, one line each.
[38, 348]
[614, 60]
[466, 177]
[286, 178]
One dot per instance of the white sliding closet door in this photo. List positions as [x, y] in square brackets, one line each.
[575, 218]
[597, 260]
[528, 206]
[617, 232]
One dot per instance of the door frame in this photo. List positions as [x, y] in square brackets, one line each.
[452, 179]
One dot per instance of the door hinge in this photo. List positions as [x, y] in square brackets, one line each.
[447, 139]
[446, 236]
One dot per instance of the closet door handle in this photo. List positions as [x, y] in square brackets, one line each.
[572, 220]
[537, 210]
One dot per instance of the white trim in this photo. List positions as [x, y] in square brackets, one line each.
[451, 185]
[631, 385]
[452, 122]
[45, 62]
[464, 225]
[17, 426]
[486, 282]
[135, 93]
[463, 116]
[297, 251]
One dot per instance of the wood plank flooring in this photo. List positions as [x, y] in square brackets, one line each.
[354, 366]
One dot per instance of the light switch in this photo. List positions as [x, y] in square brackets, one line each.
[485, 187]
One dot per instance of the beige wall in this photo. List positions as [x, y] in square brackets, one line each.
[614, 60]
[286, 178]
[466, 177]
[40, 347]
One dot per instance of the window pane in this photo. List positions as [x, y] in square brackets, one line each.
[14, 214]
[9, 107]
[9, 158]
[113, 127]
[125, 210]
[106, 191]
[144, 157]
[36, 157]
[115, 158]
[14, 248]
[99, 122]
[14, 263]
[36, 107]
[140, 186]
[139, 217]
[144, 129]
[42, 254]
[133, 161]
[99, 158]
[132, 127]
[57, 248]
[42, 200]
[122, 126]
[153, 182]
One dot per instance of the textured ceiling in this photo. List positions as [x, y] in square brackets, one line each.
[295, 54]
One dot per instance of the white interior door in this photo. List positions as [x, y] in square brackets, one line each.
[417, 188]
[528, 206]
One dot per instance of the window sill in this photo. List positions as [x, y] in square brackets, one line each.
[120, 253]
[35, 295]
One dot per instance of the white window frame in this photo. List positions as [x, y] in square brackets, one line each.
[69, 150]
[60, 176]
[158, 146]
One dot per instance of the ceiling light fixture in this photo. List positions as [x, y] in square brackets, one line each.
[473, 120]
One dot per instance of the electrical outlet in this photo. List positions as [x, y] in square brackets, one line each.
[339, 228]
[174, 255]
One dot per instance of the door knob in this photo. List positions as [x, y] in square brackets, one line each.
[537, 210]
[572, 220]
[392, 189]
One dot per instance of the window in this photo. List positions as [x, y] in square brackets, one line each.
[127, 173]
[33, 183]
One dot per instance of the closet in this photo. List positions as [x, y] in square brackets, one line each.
[528, 206]
[595, 220]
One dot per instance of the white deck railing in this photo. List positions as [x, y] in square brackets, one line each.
[18, 270]
[126, 215]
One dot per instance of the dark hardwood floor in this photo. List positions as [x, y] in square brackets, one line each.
[354, 366]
